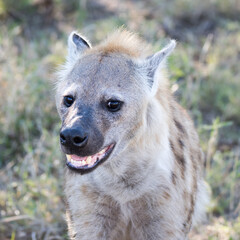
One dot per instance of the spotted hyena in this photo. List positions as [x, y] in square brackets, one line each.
[134, 165]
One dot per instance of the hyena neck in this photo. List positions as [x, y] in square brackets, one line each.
[148, 154]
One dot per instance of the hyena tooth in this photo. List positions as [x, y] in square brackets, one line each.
[101, 152]
[77, 163]
[88, 160]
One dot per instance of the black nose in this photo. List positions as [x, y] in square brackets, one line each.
[73, 137]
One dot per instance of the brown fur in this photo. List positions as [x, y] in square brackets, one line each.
[123, 42]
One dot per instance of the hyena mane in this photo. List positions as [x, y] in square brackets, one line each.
[134, 164]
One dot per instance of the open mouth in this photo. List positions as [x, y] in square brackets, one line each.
[84, 164]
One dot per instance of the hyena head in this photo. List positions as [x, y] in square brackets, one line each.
[103, 96]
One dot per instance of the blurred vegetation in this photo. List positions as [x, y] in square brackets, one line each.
[205, 76]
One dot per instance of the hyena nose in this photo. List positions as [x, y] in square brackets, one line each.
[73, 137]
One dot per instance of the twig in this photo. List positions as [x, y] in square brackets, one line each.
[15, 218]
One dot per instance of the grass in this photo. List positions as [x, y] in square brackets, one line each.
[204, 72]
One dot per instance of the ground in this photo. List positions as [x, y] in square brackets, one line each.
[204, 72]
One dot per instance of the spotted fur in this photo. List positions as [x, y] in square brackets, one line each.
[151, 187]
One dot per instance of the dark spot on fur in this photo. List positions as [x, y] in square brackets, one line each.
[74, 235]
[189, 218]
[172, 146]
[127, 183]
[88, 192]
[182, 163]
[166, 195]
[104, 216]
[102, 56]
[178, 153]
[181, 143]
[174, 178]
[179, 126]
[184, 226]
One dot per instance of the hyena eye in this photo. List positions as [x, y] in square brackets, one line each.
[114, 105]
[68, 101]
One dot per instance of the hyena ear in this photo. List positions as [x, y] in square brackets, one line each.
[77, 45]
[155, 62]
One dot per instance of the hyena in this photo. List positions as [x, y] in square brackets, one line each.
[134, 165]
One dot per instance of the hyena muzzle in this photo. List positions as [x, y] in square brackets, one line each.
[134, 165]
